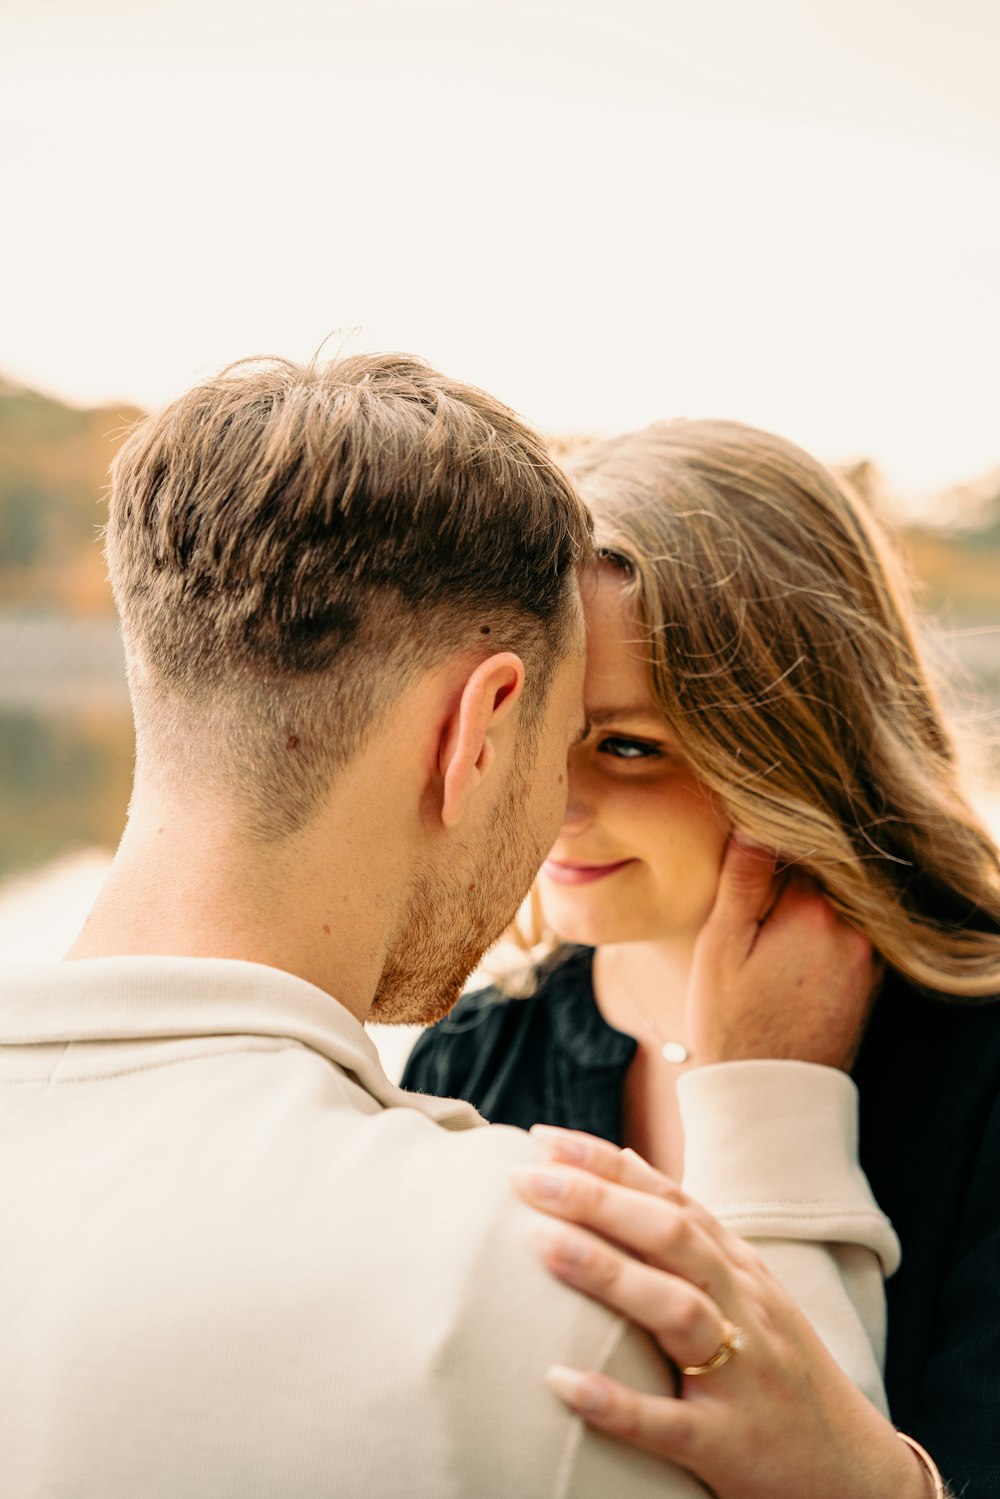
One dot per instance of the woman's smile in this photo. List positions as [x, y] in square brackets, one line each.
[573, 872]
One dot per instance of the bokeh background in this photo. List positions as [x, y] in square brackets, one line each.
[604, 211]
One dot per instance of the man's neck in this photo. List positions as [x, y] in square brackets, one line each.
[181, 887]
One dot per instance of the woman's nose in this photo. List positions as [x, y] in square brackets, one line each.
[579, 804]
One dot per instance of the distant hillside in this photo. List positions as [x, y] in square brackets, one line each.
[53, 470]
[956, 559]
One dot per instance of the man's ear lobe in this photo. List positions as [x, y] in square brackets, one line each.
[467, 755]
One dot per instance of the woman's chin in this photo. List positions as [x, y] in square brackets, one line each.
[572, 922]
[573, 918]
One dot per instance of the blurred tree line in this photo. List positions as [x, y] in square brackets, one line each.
[53, 472]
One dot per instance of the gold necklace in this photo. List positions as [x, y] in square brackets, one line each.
[671, 1051]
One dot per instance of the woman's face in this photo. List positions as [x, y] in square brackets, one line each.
[637, 859]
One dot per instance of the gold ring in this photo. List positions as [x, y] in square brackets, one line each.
[734, 1340]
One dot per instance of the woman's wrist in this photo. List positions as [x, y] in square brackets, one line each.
[934, 1483]
[886, 1463]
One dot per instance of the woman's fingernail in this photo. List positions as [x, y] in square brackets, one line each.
[566, 1248]
[581, 1391]
[546, 1186]
[566, 1146]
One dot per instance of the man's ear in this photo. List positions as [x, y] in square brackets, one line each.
[467, 752]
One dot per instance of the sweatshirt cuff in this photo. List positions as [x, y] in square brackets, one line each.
[771, 1148]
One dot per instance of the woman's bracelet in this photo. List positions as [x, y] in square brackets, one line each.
[927, 1462]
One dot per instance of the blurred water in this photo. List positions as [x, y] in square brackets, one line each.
[65, 777]
[54, 664]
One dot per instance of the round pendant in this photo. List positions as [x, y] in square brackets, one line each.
[674, 1051]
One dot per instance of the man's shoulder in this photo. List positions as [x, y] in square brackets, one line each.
[256, 1233]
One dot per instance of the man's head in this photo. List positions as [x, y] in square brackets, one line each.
[291, 547]
[289, 544]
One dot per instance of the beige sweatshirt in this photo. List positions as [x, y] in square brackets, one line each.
[236, 1261]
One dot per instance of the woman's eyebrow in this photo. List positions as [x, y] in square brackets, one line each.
[599, 716]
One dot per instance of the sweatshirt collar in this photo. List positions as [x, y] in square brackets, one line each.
[167, 998]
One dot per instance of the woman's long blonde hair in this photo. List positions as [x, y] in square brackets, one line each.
[784, 659]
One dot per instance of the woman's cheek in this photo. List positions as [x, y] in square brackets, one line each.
[686, 834]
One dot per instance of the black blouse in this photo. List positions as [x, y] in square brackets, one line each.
[928, 1077]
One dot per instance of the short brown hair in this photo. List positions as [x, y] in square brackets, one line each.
[289, 543]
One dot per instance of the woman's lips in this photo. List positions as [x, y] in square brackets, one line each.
[562, 872]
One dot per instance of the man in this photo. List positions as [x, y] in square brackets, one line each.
[236, 1260]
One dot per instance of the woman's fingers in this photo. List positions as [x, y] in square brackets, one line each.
[746, 888]
[776, 972]
[627, 1169]
[686, 1323]
[664, 1233]
[669, 1428]
[572, 1147]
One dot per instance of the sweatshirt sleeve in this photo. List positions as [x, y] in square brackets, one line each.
[771, 1148]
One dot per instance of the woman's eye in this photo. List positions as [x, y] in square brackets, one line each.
[628, 749]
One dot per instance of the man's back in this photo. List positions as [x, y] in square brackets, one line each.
[242, 1267]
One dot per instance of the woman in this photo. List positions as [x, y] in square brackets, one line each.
[752, 668]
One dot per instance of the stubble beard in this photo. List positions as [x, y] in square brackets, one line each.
[453, 920]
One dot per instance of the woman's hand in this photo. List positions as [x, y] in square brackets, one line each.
[776, 972]
[779, 1419]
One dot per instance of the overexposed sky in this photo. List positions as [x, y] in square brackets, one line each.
[604, 211]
